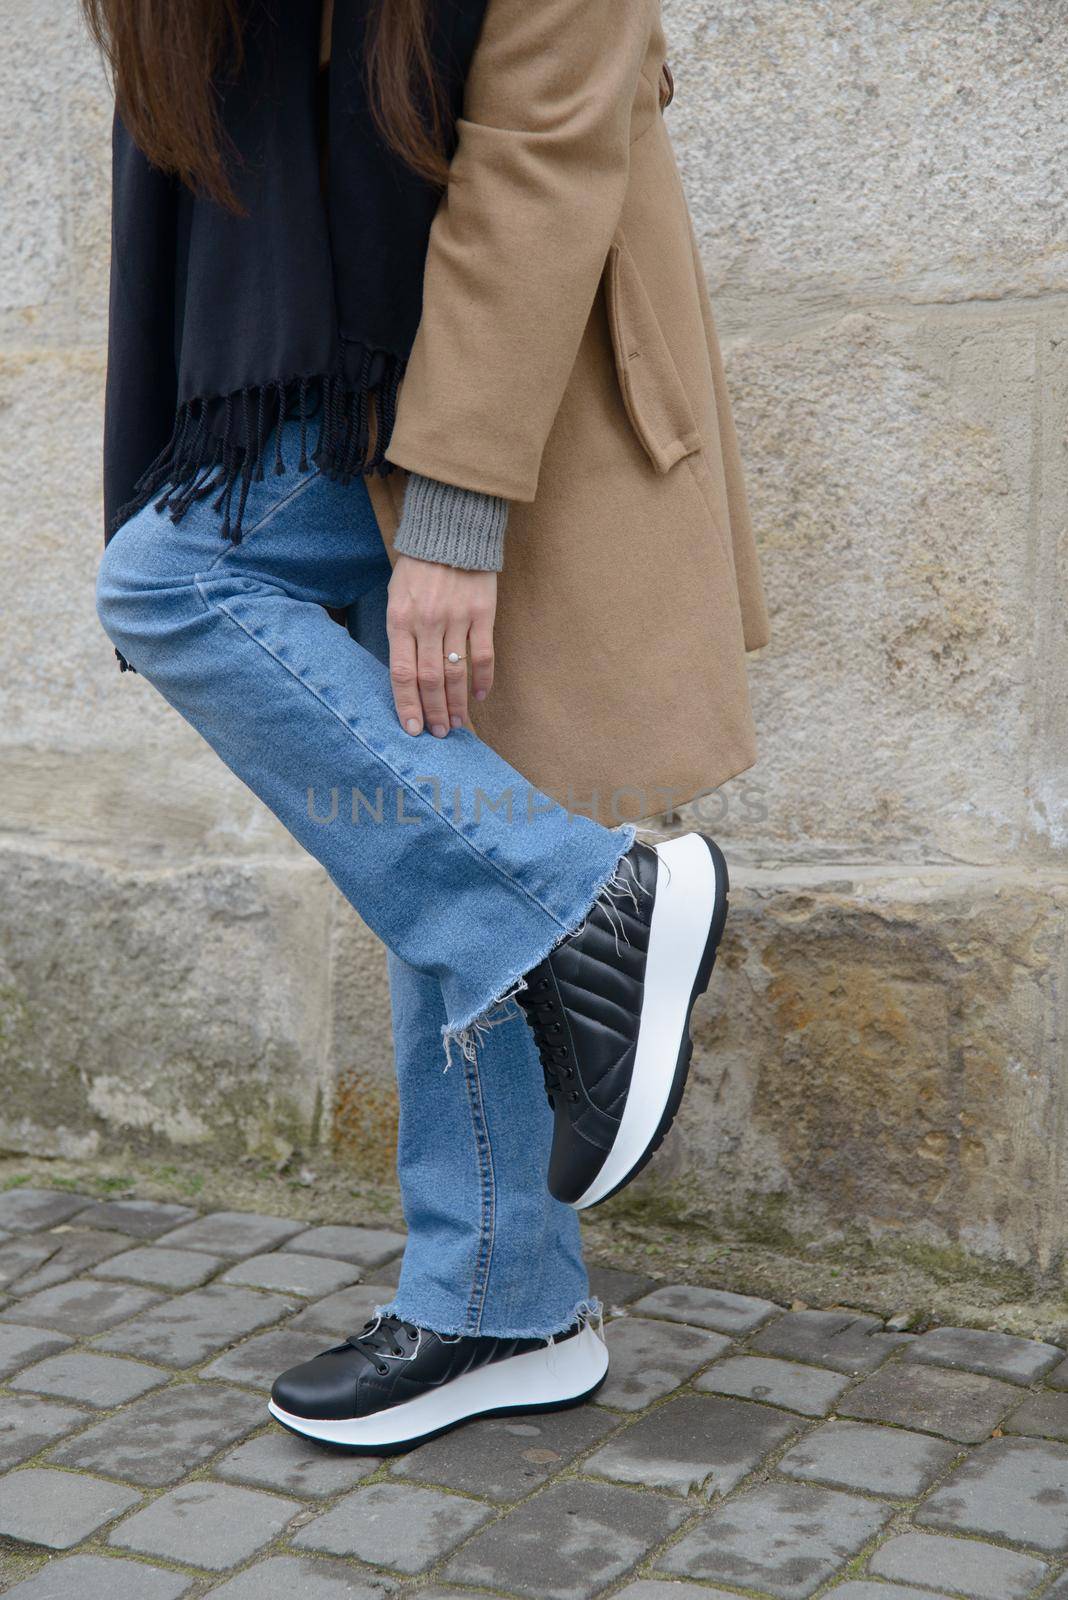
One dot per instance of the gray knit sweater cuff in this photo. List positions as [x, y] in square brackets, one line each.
[458, 527]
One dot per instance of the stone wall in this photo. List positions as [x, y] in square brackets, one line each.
[878, 188]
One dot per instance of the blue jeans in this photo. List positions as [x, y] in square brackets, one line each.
[466, 873]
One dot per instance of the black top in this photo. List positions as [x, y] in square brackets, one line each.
[306, 304]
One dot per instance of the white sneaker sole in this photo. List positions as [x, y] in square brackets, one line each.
[547, 1379]
[688, 917]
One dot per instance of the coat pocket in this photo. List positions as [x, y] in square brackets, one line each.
[656, 402]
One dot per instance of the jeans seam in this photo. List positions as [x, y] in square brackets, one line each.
[427, 805]
[487, 1198]
[297, 489]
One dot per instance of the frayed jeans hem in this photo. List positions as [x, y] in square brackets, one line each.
[583, 1311]
[467, 1032]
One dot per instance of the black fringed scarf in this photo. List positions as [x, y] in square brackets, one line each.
[222, 325]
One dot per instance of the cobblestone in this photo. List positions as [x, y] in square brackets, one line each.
[568, 1542]
[297, 1578]
[59, 1509]
[394, 1525]
[855, 1455]
[998, 1355]
[344, 1313]
[362, 1247]
[307, 1275]
[258, 1361]
[23, 1254]
[958, 1405]
[783, 1538]
[810, 1390]
[976, 1571]
[707, 1308]
[92, 1380]
[20, 1346]
[98, 1578]
[193, 1326]
[162, 1437]
[140, 1219]
[25, 1210]
[281, 1461]
[82, 1306]
[138, 1377]
[837, 1339]
[231, 1233]
[693, 1443]
[1012, 1489]
[649, 1359]
[161, 1269]
[1044, 1415]
[28, 1424]
[210, 1525]
[74, 1252]
[507, 1457]
[616, 1288]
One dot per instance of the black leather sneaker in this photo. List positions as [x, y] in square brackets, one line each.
[394, 1385]
[610, 1012]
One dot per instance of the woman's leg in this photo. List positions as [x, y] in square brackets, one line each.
[489, 1250]
[463, 870]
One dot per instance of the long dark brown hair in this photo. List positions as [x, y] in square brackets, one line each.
[165, 56]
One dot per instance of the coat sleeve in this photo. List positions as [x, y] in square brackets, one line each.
[519, 242]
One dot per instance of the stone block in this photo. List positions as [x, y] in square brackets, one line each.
[160, 1438]
[505, 1458]
[20, 1346]
[783, 1539]
[817, 203]
[161, 1269]
[99, 1578]
[302, 1578]
[231, 1233]
[958, 1405]
[91, 1380]
[259, 1361]
[59, 1509]
[27, 1424]
[25, 1210]
[186, 1330]
[279, 1460]
[209, 1525]
[693, 1443]
[567, 1543]
[363, 1247]
[393, 1525]
[649, 1359]
[809, 1390]
[976, 1571]
[229, 1055]
[998, 1355]
[285, 1270]
[734, 1314]
[1011, 1489]
[82, 1307]
[884, 1461]
[840, 1340]
[141, 1219]
[859, 1066]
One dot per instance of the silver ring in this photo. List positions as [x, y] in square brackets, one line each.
[453, 657]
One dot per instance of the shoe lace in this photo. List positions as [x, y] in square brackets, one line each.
[380, 1338]
[545, 1016]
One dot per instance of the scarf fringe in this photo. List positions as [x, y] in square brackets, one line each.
[355, 427]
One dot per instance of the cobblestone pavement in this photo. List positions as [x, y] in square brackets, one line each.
[737, 1448]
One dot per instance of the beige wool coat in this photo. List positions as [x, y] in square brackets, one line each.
[567, 360]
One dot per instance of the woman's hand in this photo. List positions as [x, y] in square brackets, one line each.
[433, 611]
